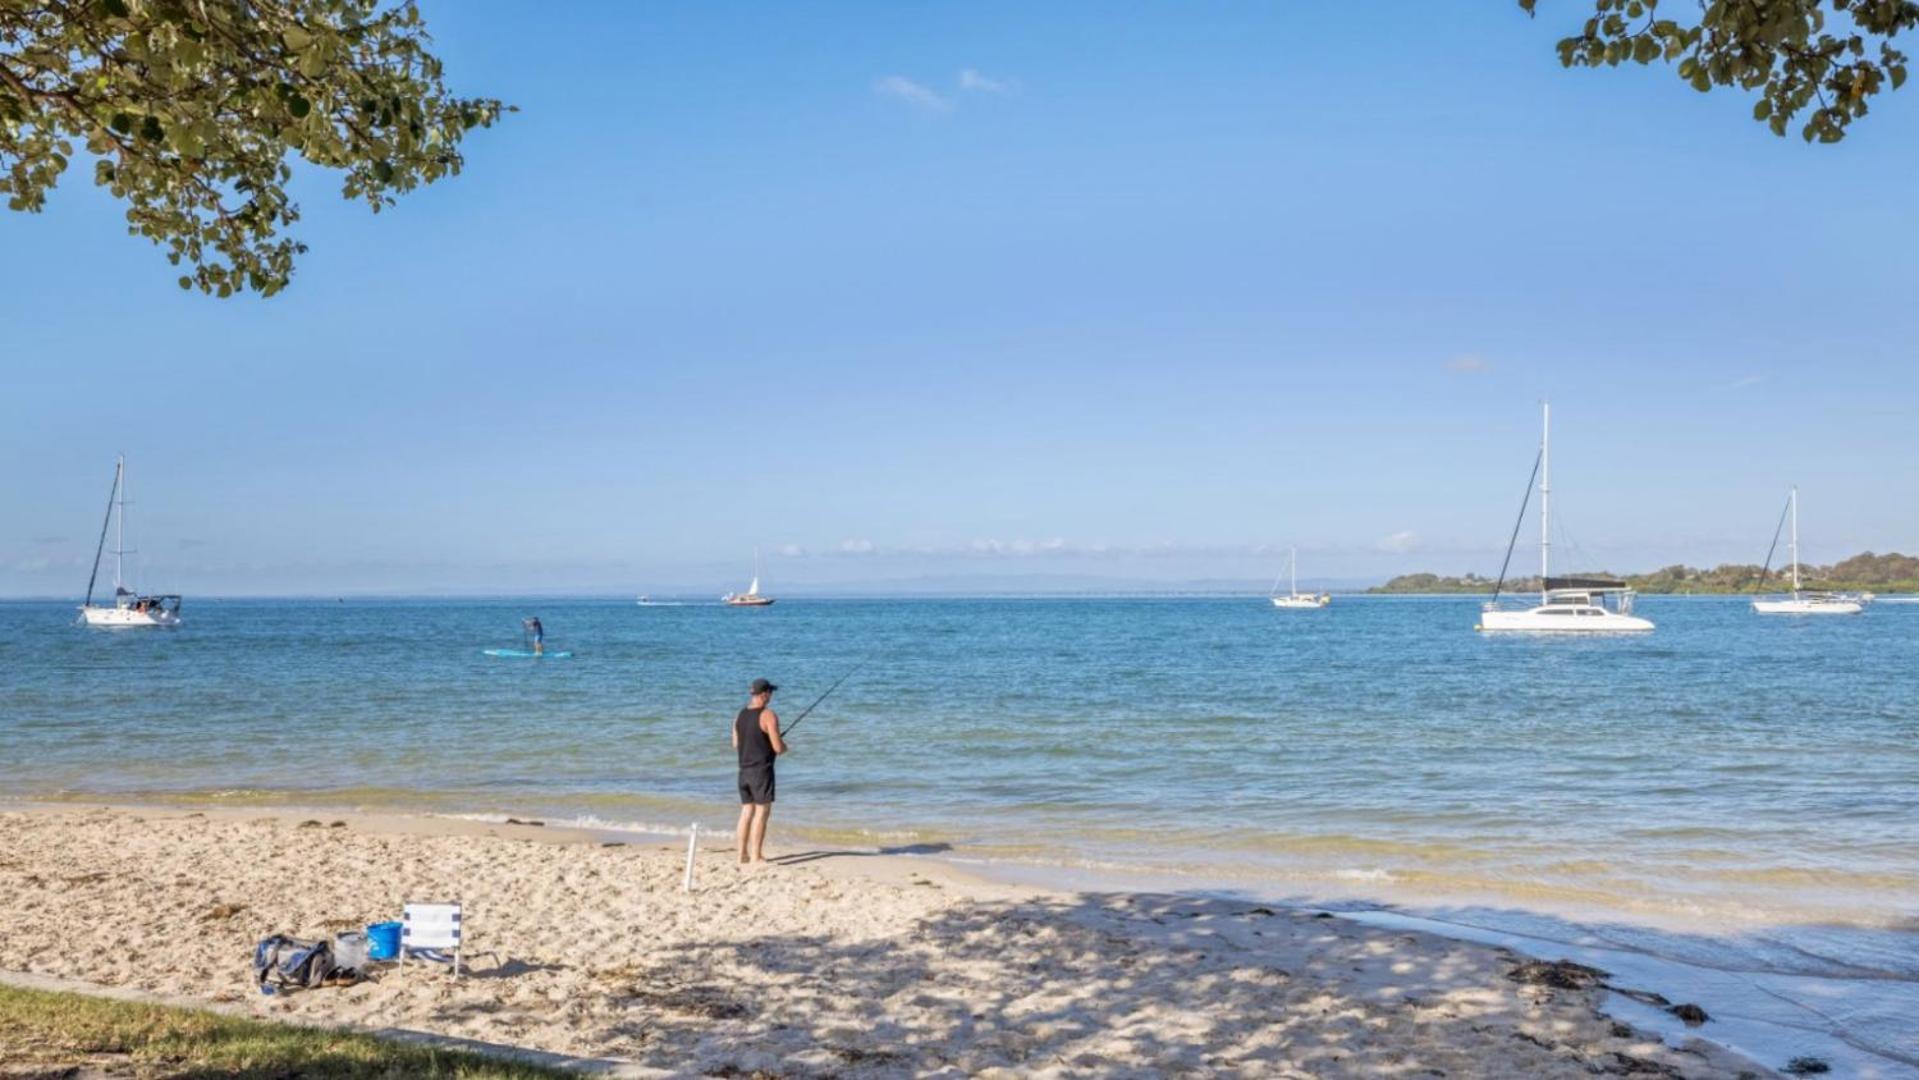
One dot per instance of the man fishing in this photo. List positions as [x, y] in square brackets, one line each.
[756, 735]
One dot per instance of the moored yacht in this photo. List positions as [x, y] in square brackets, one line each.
[130, 609]
[1803, 603]
[1295, 598]
[1567, 605]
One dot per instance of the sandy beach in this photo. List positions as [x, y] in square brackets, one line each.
[844, 963]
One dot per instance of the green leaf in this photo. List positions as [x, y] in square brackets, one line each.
[299, 106]
[383, 171]
[1762, 108]
[296, 38]
[1898, 75]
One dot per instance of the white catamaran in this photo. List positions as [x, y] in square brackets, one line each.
[1803, 603]
[1568, 604]
[751, 597]
[129, 607]
[1295, 598]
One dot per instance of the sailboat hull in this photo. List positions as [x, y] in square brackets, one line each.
[1808, 607]
[749, 601]
[1313, 603]
[116, 618]
[1562, 620]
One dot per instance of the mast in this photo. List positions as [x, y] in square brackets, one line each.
[119, 525]
[1545, 495]
[754, 588]
[1795, 542]
[1295, 564]
[99, 549]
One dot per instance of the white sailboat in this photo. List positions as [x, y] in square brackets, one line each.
[1576, 605]
[751, 597]
[1805, 603]
[1294, 598]
[129, 609]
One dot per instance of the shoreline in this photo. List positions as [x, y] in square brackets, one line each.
[898, 901]
[1763, 1011]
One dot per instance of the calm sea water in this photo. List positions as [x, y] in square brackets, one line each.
[1739, 790]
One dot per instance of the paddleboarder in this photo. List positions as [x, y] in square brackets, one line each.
[534, 633]
[756, 735]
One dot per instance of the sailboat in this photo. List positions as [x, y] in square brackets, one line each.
[129, 607]
[1803, 603]
[1295, 598]
[1566, 604]
[751, 597]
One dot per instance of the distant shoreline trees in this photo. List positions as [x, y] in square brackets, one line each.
[1891, 572]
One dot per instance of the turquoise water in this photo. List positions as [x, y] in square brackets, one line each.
[1742, 788]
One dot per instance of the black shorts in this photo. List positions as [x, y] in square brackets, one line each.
[756, 784]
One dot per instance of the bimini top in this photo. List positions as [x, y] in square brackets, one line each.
[1588, 584]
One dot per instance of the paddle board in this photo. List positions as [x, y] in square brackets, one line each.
[527, 654]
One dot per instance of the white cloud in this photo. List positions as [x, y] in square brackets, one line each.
[1469, 364]
[857, 547]
[1747, 380]
[901, 88]
[1399, 543]
[792, 551]
[971, 81]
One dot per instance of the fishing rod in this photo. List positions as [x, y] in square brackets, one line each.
[816, 701]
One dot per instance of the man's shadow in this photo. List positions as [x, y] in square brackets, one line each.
[799, 857]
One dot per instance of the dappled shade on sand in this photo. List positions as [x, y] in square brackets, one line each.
[834, 964]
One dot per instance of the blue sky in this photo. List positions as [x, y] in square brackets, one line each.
[1153, 292]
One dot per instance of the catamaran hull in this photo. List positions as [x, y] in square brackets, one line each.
[118, 618]
[1808, 607]
[1532, 622]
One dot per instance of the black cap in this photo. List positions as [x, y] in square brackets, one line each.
[761, 686]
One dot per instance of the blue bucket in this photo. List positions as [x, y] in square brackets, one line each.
[383, 941]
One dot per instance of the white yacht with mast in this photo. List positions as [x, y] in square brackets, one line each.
[1295, 598]
[1569, 604]
[751, 597]
[129, 608]
[1803, 603]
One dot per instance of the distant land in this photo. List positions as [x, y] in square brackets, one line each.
[1891, 572]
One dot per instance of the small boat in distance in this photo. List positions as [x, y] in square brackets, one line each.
[129, 609]
[1295, 598]
[1569, 604]
[1803, 603]
[751, 597]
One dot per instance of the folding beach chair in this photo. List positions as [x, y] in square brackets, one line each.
[431, 926]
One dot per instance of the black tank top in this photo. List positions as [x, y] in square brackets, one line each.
[755, 748]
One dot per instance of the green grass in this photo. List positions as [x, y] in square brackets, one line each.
[52, 1032]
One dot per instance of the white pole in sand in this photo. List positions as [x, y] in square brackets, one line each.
[692, 844]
